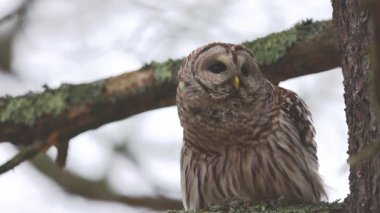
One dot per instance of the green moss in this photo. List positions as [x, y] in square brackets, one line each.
[52, 102]
[165, 72]
[269, 49]
[272, 208]
[26, 109]
[83, 93]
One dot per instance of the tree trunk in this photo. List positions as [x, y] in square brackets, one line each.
[352, 20]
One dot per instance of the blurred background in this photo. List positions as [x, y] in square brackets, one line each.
[74, 41]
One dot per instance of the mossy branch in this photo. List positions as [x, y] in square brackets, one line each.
[334, 207]
[308, 47]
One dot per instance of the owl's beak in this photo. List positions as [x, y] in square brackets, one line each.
[236, 82]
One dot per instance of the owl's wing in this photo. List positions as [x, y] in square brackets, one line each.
[297, 110]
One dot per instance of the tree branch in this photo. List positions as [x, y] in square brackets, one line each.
[7, 37]
[24, 154]
[334, 207]
[19, 11]
[308, 47]
[98, 189]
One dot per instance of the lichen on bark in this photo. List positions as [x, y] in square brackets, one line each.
[323, 207]
[165, 72]
[27, 109]
[269, 49]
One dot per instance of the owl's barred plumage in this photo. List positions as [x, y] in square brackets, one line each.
[244, 138]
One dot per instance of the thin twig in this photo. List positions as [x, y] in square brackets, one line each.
[24, 154]
[20, 11]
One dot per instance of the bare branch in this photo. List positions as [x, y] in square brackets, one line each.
[98, 189]
[15, 19]
[20, 11]
[24, 154]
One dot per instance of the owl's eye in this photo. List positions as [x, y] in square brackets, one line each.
[217, 67]
[245, 71]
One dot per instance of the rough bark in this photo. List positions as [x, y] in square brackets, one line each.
[352, 19]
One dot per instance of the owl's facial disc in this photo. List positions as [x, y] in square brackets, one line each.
[223, 73]
[226, 71]
[221, 79]
[218, 67]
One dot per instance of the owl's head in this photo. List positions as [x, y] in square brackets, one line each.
[221, 71]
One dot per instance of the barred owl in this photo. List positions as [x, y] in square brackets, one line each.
[244, 138]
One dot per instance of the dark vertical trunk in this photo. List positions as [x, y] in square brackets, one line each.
[352, 21]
